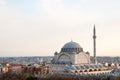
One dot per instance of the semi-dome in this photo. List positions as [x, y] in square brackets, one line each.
[71, 45]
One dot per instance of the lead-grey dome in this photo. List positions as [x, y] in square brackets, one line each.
[71, 45]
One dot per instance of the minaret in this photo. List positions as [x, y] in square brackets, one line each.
[94, 45]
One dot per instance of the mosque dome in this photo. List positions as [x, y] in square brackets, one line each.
[71, 47]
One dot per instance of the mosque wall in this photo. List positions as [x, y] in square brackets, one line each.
[82, 58]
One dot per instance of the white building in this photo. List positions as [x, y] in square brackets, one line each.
[72, 53]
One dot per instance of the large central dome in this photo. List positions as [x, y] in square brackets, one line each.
[71, 45]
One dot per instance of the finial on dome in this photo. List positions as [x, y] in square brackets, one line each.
[71, 40]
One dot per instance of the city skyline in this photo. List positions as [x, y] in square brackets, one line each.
[41, 27]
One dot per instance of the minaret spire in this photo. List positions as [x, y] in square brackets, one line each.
[94, 45]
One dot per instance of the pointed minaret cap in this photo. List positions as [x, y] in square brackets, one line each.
[94, 25]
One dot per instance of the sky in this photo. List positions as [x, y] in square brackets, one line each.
[42, 27]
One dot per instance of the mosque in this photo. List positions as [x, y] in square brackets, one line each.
[72, 58]
[72, 53]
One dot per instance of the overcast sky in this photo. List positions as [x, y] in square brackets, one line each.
[41, 27]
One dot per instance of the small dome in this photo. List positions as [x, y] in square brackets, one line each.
[71, 45]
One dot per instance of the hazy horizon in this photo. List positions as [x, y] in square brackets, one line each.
[41, 27]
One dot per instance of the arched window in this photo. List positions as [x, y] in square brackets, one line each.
[90, 70]
[78, 49]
